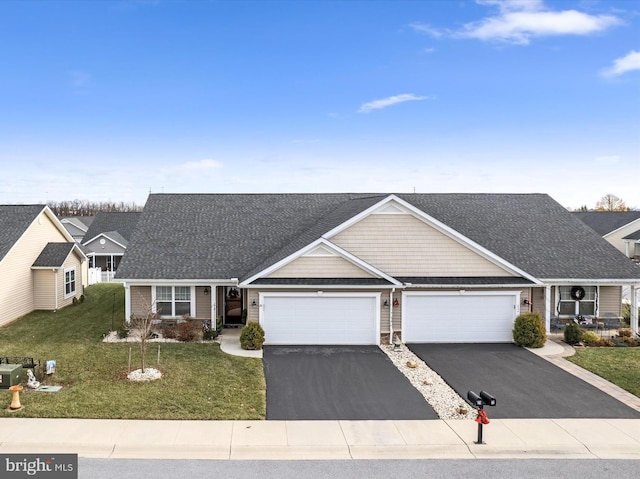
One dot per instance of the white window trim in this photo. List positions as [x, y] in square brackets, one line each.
[576, 311]
[64, 282]
[192, 299]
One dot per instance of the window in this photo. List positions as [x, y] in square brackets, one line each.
[173, 300]
[587, 305]
[69, 282]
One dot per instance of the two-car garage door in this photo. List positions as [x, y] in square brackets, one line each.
[459, 318]
[329, 318]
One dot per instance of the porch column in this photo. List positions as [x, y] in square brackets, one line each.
[634, 309]
[214, 294]
[547, 308]
[127, 303]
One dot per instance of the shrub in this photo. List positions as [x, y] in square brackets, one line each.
[633, 342]
[619, 343]
[209, 335]
[123, 332]
[169, 331]
[529, 330]
[624, 332]
[219, 323]
[572, 333]
[252, 336]
[189, 331]
[591, 339]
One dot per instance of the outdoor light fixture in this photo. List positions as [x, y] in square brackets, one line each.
[385, 304]
[206, 291]
[396, 302]
[254, 304]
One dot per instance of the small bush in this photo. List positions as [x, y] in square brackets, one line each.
[619, 343]
[572, 333]
[219, 323]
[252, 336]
[189, 331]
[529, 330]
[169, 331]
[209, 335]
[624, 332]
[633, 342]
[82, 298]
[123, 332]
[590, 338]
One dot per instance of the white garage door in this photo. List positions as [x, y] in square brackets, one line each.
[319, 319]
[458, 318]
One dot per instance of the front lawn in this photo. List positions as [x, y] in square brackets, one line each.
[620, 366]
[199, 380]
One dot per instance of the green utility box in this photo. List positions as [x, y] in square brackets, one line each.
[10, 375]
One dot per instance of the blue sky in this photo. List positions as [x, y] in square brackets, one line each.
[108, 100]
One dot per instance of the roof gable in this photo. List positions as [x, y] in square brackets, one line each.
[123, 223]
[54, 255]
[606, 222]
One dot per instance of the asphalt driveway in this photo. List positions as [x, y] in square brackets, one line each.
[338, 383]
[524, 384]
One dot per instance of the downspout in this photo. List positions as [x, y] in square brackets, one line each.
[391, 315]
[55, 285]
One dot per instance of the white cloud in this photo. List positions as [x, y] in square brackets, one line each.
[521, 20]
[622, 65]
[392, 100]
[202, 165]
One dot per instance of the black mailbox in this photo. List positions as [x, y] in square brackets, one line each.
[487, 398]
[474, 399]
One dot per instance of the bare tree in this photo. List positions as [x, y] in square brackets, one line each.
[611, 202]
[63, 209]
[142, 326]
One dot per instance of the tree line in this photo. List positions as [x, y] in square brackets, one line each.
[608, 202]
[63, 209]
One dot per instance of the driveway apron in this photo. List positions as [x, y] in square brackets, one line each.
[524, 384]
[338, 383]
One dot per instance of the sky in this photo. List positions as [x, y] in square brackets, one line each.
[109, 100]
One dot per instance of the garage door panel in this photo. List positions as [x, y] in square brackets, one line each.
[458, 318]
[319, 320]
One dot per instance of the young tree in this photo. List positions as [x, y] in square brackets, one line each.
[611, 202]
[142, 326]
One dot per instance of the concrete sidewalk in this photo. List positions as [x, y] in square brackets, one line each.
[504, 438]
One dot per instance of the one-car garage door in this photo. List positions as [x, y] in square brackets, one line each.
[329, 318]
[459, 318]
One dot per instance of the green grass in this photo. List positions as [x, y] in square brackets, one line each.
[199, 380]
[620, 366]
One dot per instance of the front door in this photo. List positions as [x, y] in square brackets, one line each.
[233, 306]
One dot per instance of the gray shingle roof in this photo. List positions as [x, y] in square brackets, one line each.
[14, 221]
[53, 255]
[604, 222]
[122, 222]
[633, 236]
[211, 236]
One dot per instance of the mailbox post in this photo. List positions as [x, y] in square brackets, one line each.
[479, 401]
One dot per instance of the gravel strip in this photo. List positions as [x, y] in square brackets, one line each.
[444, 400]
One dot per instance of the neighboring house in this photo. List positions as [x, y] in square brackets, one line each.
[620, 228]
[107, 239]
[77, 226]
[41, 267]
[361, 268]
